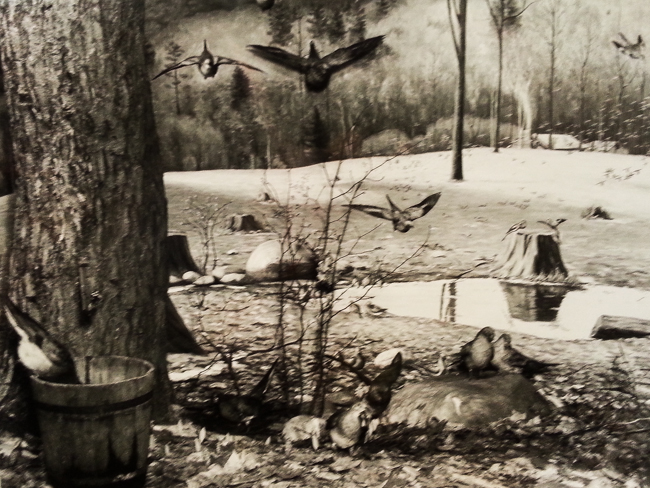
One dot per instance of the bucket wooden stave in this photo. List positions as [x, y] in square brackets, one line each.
[97, 434]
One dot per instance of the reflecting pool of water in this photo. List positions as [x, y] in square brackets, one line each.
[542, 310]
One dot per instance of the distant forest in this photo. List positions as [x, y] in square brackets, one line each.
[561, 73]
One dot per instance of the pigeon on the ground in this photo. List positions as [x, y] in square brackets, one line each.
[477, 354]
[627, 48]
[241, 410]
[402, 219]
[348, 427]
[38, 350]
[515, 227]
[207, 63]
[317, 70]
[508, 359]
[380, 391]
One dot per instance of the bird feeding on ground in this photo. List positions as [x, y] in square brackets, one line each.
[207, 64]
[402, 219]
[316, 70]
[477, 354]
[38, 350]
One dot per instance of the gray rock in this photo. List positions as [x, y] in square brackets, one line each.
[206, 280]
[268, 263]
[191, 276]
[234, 279]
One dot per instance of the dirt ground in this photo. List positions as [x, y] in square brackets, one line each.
[596, 437]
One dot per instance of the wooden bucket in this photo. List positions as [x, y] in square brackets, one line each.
[97, 434]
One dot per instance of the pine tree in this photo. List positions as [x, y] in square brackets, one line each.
[317, 21]
[174, 55]
[281, 18]
[315, 138]
[240, 88]
[357, 32]
[335, 25]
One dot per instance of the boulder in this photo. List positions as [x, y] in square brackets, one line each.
[268, 262]
[467, 402]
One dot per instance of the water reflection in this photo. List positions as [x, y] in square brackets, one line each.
[543, 310]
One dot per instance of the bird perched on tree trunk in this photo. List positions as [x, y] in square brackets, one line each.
[317, 70]
[348, 427]
[553, 225]
[627, 48]
[380, 391]
[477, 354]
[207, 63]
[508, 359]
[38, 350]
[241, 410]
[515, 227]
[402, 219]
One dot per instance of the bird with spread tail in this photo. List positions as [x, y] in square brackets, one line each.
[318, 70]
[402, 219]
[241, 410]
[633, 50]
[38, 350]
[477, 354]
[510, 360]
[207, 64]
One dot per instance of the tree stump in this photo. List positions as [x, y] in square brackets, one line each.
[178, 337]
[531, 255]
[179, 257]
[243, 223]
[534, 303]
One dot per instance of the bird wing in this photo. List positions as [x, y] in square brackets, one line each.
[192, 60]
[627, 43]
[346, 55]
[382, 213]
[221, 60]
[260, 388]
[422, 208]
[280, 56]
[618, 45]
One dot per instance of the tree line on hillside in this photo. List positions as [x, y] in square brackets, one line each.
[557, 72]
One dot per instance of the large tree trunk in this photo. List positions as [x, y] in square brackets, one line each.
[90, 221]
[459, 107]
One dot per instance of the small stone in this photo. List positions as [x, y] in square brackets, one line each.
[191, 276]
[232, 252]
[206, 280]
[175, 280]
[384, 359]
[234, 279]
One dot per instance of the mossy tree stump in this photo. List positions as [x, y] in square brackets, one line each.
[531, 255]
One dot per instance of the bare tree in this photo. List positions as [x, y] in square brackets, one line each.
[458, 21]
[90, 216]
[505, 15]
[554, 15]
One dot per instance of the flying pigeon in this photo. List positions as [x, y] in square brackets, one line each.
[629, 49]
[38, 351]
[265, 4]
[208, 65]
[402, 219]
[317, 70]
[477, 354]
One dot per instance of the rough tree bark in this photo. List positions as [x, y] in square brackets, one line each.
[87, 257]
